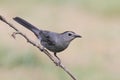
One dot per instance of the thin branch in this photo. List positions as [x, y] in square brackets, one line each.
[38, 46]
[5, 21]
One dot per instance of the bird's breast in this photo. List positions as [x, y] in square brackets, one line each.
[57, 47]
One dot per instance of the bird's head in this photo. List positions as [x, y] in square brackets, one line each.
[70, 35]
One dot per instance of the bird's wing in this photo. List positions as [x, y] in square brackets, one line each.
[48, 37]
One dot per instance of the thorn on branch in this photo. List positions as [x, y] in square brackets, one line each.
[13, 35]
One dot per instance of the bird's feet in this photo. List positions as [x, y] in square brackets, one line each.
[57, 62]
[42, 49]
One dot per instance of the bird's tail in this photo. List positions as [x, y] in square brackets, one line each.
[27, 25]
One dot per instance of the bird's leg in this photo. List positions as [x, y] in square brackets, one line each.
[59, 61]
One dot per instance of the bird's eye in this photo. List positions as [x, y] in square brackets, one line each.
[69, 34]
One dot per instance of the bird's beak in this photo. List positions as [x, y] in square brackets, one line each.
[78, 36]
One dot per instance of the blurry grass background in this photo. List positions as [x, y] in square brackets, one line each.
[94, 57]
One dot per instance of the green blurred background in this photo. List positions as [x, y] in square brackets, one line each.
[94, 57]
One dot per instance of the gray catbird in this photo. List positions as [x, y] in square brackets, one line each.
[54, 42]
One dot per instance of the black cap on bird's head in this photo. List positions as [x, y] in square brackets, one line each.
[70, 35]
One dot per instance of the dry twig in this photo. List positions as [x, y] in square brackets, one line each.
[38, 46]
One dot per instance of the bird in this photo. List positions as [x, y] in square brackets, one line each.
[52, 41]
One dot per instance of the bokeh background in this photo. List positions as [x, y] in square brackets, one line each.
[96, 56]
